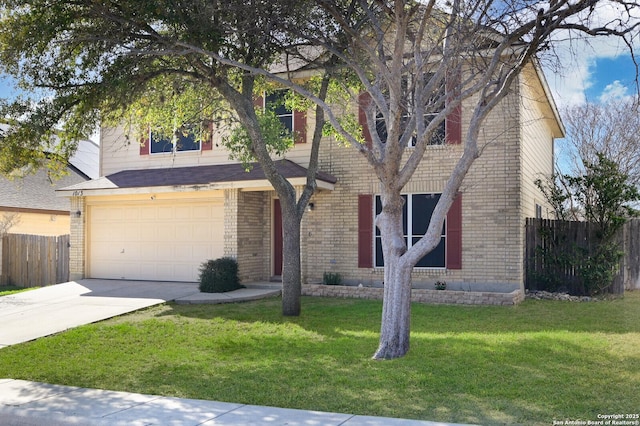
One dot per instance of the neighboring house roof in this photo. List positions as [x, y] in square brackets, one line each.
[37, 191]
[87, 158]
[216, 176]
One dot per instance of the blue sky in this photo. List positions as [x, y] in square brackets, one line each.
[593, 79]
[6, 89]
[611, 77]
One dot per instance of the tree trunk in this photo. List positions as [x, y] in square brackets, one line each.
[291, 270]
[396, 305]
[396, 311]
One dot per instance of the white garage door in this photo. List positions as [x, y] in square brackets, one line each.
[158, 240]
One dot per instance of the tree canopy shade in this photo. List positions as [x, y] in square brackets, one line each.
[409, 65]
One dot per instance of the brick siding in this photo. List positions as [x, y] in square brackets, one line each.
[417, 295]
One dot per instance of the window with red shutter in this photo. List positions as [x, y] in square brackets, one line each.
[294, 121]
[416, 216]
[188, 139]
[449, 131]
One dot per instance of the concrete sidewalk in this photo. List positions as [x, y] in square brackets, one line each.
[53, 309]
[24, 403]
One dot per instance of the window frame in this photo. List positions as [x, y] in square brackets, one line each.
[437, 138]
[197, 139]
[408, 231]
[289, 114]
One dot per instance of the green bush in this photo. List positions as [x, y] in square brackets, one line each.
[219, 275]
[440, 285]
[331, 278]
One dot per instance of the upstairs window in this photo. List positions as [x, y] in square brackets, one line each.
[187, 139]
[449, 131]
[294, 121]
[438, 136]
[276, 102]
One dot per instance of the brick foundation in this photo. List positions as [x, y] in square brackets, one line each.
[417, 295]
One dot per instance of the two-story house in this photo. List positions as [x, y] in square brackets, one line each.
[160, 209]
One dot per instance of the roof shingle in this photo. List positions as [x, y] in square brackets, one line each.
[202, 175]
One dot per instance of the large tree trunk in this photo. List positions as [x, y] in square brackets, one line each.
[291, 270]
[396, 311]
[396, 305]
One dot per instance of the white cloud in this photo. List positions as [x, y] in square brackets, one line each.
[615, 90]
[572, 71]
[570, 64]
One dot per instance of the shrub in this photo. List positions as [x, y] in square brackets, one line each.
[219, 275]
[441, 285]
[331, 278]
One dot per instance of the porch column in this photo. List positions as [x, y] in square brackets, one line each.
[304, 243]
[77, 239]
[231, 199]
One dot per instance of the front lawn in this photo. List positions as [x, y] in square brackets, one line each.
[531, 364]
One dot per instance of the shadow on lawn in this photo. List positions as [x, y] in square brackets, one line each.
[533, 380]
[612, 316]
[529, 364]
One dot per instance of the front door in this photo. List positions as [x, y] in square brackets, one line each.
[277, 238]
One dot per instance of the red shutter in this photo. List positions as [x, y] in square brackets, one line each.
[365, 231]
[207, 145]
[453, 123]
[364, 100]
[454, 234]
[300, 126]
[145, 143]
[453, 126]
[258, 102]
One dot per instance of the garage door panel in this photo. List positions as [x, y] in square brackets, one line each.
[187, 232]
[131, 213]
[160, 241]
[113, 214]
[202, 213]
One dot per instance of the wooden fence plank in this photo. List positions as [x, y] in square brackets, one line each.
[34, 260]
[555, 236]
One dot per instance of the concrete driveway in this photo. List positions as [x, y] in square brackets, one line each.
[48, 310]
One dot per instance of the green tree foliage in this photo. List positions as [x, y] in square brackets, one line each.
[163, 63]
[603, 197]
[605, 194]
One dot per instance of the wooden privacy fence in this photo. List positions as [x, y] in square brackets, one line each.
[565, 237]
[35, 260]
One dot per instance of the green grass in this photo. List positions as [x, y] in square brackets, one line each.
[530, 364]
[6, 290]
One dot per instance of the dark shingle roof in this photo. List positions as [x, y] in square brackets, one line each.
[202, 175]
[37, 191]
